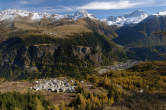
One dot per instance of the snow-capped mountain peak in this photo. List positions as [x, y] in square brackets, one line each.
[10, 14]
[82, 14]
[162, 13]
[132, 18]
[136, 13]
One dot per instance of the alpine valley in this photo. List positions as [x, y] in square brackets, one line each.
[96, 64]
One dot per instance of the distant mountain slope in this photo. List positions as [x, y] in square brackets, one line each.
[143, 32]
[144, 40]
[132, 18]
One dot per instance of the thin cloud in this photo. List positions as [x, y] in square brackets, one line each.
[31, 2]
[60, 9]
[24, 2]
[53, 10]
[111, 5]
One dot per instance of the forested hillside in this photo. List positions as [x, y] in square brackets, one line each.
[27, 53]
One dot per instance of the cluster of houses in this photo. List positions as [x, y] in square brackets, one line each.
[54, 85]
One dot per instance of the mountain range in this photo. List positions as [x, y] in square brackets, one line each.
[127, 19]
[37, 45]
[10, 14]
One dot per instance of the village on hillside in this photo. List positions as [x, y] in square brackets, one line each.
[55, 85]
